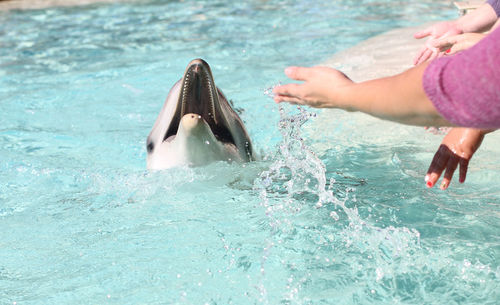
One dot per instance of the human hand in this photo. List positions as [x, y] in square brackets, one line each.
[456, 43]
[320, 88]
[435, 31]
[457, 147]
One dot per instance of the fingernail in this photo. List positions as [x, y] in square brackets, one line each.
[448, 51]
[444, 185]
[289, 70]
[430, 184]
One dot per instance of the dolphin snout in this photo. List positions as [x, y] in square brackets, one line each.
[197, 64]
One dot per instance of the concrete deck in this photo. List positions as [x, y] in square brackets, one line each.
[383, 55]
[467, 6]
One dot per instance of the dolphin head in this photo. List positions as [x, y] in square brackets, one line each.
[197, 124]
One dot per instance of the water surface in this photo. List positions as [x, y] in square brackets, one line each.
[83, 222]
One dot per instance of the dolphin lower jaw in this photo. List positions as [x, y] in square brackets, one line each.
[194, 126]
[193, 145]
[199, 145]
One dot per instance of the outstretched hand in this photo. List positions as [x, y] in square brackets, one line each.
[457, 148]
[435, 31]
[321, 87]
[456, 43]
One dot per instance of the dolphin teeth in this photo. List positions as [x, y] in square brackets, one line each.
[184, 94]
[210, 89]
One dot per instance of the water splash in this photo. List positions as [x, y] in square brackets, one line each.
[297, 174]
[269, 90]
[329, 236]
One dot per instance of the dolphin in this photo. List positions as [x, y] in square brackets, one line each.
[197, 125]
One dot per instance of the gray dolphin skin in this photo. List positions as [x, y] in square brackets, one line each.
[197, 125]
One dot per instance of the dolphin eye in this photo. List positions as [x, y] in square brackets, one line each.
[150, 147]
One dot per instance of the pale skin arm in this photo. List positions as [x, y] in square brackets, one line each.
[400, 98]
[479, 20]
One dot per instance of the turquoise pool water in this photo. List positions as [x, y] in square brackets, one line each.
[83, 222]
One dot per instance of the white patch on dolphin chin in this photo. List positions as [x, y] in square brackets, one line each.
[193, 145]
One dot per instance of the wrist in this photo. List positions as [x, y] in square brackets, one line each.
[347, 97]
[459, 26]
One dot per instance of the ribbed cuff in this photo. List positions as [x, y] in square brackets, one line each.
[434, 89]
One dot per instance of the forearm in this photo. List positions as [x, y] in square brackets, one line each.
[399, 98]
[480, 20]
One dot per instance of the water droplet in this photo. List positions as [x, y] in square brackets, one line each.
[334, 215]
[269, 91]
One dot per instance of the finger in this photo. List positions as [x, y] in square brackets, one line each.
[431, 179]
[289, 90]
[442, 45]
[464, 164]
[298, 73]
[425, 55]
[456, 48]
[451, 166]
[445, 41]
[434, 55]
[419, 55]
[423, 33]
[438, 164]
[288, 99]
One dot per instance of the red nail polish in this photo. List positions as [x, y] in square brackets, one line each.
[429, 184]
[448, 51]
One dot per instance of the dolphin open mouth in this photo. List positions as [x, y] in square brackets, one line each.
[199, 95]
[197, 125]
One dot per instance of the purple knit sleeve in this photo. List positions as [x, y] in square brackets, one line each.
[495, 4]
[465, 88]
